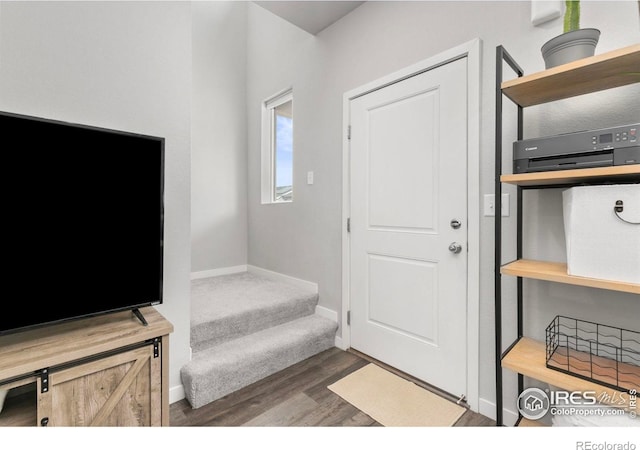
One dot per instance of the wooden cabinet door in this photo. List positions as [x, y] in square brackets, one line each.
[124, 389]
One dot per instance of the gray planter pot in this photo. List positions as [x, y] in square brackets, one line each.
[570, 46]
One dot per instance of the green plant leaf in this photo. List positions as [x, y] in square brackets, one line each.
[572, 15]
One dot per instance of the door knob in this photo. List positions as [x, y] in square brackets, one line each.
[455, 247]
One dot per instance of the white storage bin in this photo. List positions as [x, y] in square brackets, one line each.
[600, 244]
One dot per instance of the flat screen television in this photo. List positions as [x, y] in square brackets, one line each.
[83, 221]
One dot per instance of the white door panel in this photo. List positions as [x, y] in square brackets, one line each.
[408, 180]
[396, 181]
[397, 285]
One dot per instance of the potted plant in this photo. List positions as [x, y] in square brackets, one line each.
[574, 43]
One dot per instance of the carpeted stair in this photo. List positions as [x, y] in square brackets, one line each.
[245, 327]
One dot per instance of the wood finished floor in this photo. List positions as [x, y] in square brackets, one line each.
[297, 396]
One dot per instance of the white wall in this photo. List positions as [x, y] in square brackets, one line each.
[218, 136]
[121, 65]
[303, 239]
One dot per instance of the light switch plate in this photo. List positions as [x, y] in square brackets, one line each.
[489, 205]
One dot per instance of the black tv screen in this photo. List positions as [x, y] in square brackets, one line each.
[82, 219]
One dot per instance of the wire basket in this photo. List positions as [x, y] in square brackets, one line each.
[606, 355]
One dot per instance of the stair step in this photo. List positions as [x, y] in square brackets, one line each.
[230, 306]
[224, 368]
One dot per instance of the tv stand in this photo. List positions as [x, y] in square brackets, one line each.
[105, 370]
[140, 316]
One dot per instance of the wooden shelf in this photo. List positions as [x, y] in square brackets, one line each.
[528, 357]
[531, 423]
[565, 177]
[557, 272]
[596, 73]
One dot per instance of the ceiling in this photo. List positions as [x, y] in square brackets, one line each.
[313, 16]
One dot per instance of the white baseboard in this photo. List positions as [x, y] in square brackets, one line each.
[218, 272]
[331, 315]
[176, 393]
[488, 409]
[327, 313]
[281, 277]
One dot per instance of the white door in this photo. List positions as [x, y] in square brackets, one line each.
[408, 180]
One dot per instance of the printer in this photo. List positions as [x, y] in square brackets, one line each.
[615, 146]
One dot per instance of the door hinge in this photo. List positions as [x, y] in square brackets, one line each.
[156, 347]
[348, 317]
[348, 224]
[349, 132]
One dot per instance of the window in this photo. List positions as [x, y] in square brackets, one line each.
[277, 149]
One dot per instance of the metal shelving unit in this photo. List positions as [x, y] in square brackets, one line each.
[526, 356]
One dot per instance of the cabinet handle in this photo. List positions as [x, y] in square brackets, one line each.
[44, 422]
[618, 208]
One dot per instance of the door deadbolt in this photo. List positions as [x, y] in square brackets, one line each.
[455, 224]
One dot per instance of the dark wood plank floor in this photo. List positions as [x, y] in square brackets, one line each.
[297, 396]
